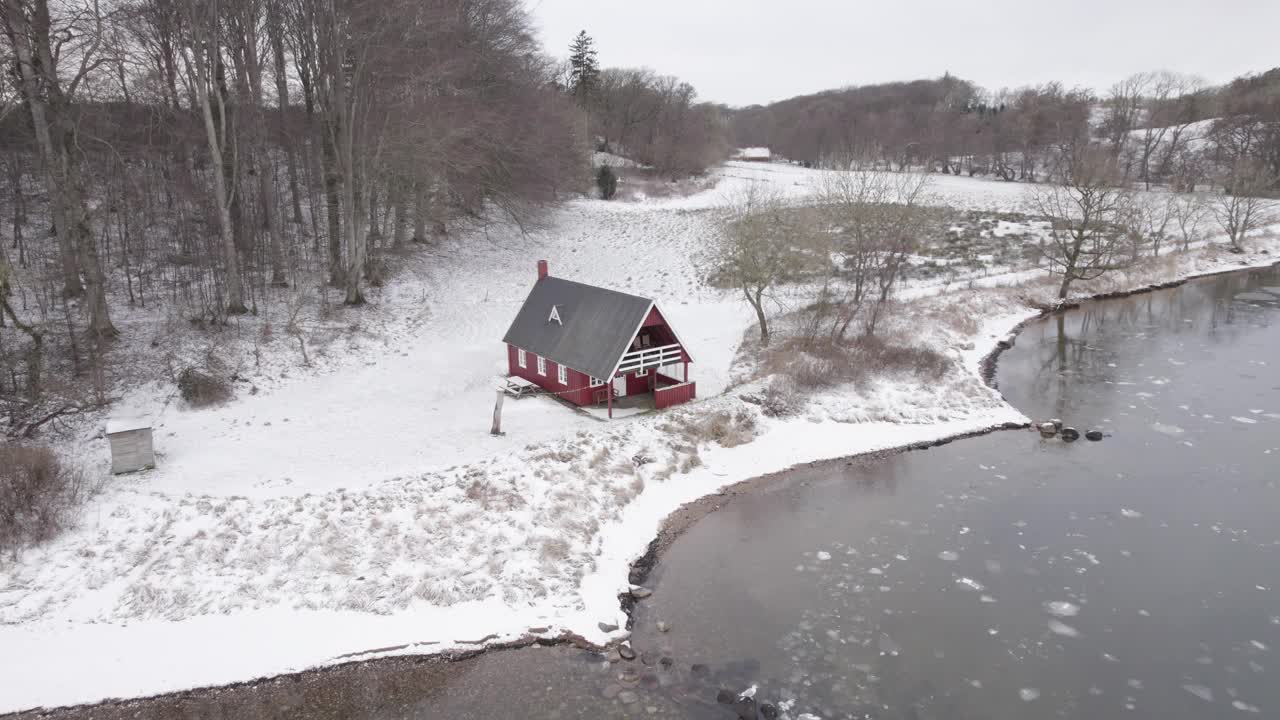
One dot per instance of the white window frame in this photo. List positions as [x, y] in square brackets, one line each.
[642, 372]
[562, 374]
[597, 382]
[522, 358]
[542, 366]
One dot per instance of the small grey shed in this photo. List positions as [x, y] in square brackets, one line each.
[131, 447]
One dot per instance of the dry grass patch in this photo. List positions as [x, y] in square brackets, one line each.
[817, 364]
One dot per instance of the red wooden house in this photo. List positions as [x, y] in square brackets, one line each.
[589, 345]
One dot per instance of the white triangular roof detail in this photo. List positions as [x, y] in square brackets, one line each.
[672, 328]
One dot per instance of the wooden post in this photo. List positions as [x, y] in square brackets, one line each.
[609, 387]
[497, 415]
[686, 371]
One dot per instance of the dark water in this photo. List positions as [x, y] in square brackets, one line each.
[1005, 576]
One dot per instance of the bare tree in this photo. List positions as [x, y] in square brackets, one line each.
[1164, 117]
[873, 220]
[38, 47]
[1147, 220]
[1189, 212]
[1087, 211]
[1122, 111]
[761, 246]
[1242, 207]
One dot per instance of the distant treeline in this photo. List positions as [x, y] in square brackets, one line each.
[1162, 127]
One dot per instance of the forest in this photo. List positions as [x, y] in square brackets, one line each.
[206, 159]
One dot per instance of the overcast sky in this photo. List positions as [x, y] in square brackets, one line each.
[743, 52]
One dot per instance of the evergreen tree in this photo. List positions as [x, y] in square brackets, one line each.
[607, 181]
[584, 68]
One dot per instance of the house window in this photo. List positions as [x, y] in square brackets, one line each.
[542, 366]
[522, 358]
[562, 374]
[596, 382]
[642, 372]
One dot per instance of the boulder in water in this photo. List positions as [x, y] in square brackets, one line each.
[1094, 435]
[1048, 429]
[1070, 434]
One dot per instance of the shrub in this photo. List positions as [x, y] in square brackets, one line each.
[813, 365]
[201, 389]
[607, 181]
[777, 399]
[38, 495]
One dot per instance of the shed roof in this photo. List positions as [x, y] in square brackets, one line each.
[595, 329]
[127, 424]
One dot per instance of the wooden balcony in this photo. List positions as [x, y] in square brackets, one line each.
[650, 358]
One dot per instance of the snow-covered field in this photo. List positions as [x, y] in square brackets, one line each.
[366, 510]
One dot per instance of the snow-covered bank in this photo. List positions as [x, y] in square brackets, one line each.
[213, 569]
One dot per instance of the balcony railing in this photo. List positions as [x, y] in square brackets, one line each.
[649, 358]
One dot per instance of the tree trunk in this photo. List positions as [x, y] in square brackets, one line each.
[215, 135]
[419, 213]
[757, 304]
[251, 72]
[1066, 284]
[87, 248]
[332, 207]
[275, 33]
[400, 225]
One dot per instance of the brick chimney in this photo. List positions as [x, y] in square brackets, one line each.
[542, 269]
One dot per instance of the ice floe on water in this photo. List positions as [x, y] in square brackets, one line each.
[1245, 707]
[824, 555]
[888, 646]
[1058, 627]
[1126, 512]
[986, 599]
[1199, 691]
[970, 583]
[1245, 420]
[1259, 645]
[1061, 608]
[1170, 430]
[1028, 694]
[948, 555]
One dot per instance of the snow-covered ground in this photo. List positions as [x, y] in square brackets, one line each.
[367, 511]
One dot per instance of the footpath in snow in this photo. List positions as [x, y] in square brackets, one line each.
[368, 512]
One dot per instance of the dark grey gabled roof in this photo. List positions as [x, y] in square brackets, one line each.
[598, 324]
